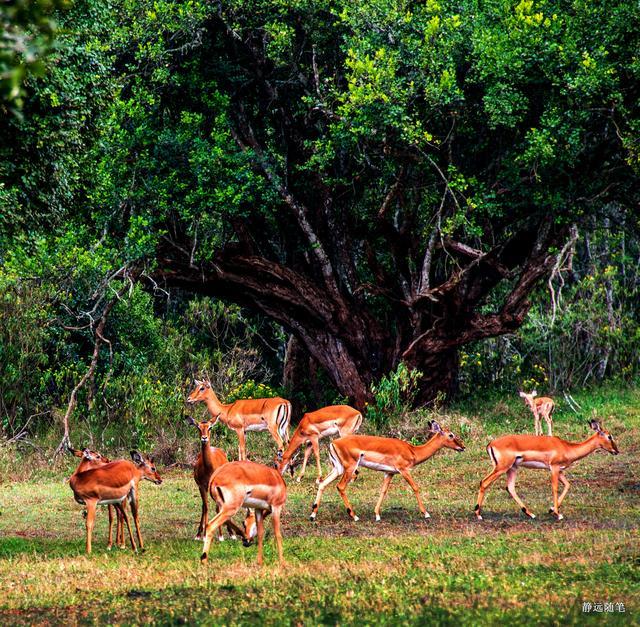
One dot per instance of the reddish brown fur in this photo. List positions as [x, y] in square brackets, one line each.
[114, 481]
[557, 455]
[241, 415]
[310, 430]
[398, 455]
[234, 483]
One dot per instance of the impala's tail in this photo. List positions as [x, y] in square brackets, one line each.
[283, 419]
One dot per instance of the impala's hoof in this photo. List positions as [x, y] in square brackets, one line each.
[198, 538]
[233, 537]
[377, 517]
[203, 559]
[221, 539]
[479, 517]
[298, 479]
[532, 516]
[355, 519]
[427, 515]
[312, 517]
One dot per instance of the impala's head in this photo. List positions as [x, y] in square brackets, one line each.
[528, 398]
[448, 438]
[203, 428]
[250, 527]
[148, 467]
[605, 439]
[88, 455]
[282, 464]
[199, 392]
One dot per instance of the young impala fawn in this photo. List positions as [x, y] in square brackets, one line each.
[111, 484]
[511, 452]
[93, 459]
[260, 414]
[209, 460]
[539, 406]
[247, 484]
[387, 455]
[340, 420]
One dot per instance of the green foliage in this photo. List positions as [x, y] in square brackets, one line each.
[393, 395]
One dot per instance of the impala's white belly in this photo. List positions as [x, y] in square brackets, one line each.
[261, 426]
[112, 501]
[376, 466]
[532, 464]
[330, 431]
[255, 503]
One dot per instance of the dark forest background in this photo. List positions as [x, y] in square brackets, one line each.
[382, 203]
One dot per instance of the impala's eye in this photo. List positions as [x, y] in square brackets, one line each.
[611, 438]
[202, 388]
[451, 436]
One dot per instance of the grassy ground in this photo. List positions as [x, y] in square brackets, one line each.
[403, 570]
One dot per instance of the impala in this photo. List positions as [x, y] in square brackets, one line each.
[338, 420]
[511, 452]
[93, 459]
[247, 484]
[111, 484]
[209, 460]
[387, 455]
[540, 406]
[260, 414]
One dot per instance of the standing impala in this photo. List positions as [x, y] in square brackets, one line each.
[387, 455]
[209, 460]
[260, 414]
[338, 420]
[111, 484]
[539, 406]
[93, 459]
[247, 484]
[511, 452]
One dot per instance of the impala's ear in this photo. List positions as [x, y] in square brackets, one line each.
[595, 425]
[279, 455]
[137, 458]
[435, 427]
[522, 394]
[191, 421]
[534, 393]
[197, 382]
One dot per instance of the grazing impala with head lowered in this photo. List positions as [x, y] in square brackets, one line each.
[259, 414]
[247, 484]
[388, 455]
[511, 452]
[340, 420]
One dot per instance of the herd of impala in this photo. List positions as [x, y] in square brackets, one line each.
[261, 489]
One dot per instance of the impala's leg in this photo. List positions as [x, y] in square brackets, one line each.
[273, 430]
[548, 417]
[120, 527]
[305, 459]
[125, 517]
[226, 512]
[110, 543]
[260, 530]
[277, 532]
[342, 489]
[511, 489]
[90, 521]
[385, 486]
[332, 476]
[233, 530]
[488, 480]
[555, 474]
[204, 515]
[566, 485]
[135, 511]
[536, 423]
[416, 490]
[315, 443]
[242, 451]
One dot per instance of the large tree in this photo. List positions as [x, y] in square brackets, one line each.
[388, 180]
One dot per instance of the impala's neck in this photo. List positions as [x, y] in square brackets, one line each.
[207, 454]
[294, 444]
[578, 450]
[426, 450]
[214, 405]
